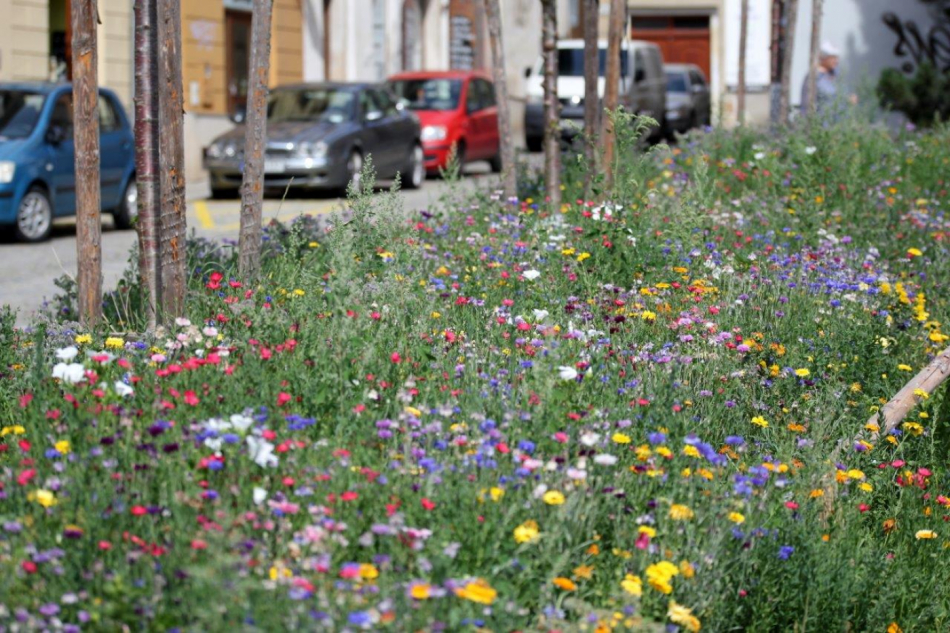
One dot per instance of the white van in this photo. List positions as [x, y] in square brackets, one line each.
[642, 86]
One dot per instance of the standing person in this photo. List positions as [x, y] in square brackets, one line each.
[826, 83]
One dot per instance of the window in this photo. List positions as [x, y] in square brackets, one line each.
[473, 100]
[429, 94]
[63, 114]
[238, 52]
[676, 82]
[696, 78]
[386, 104]
[108, 118]
[317, 104]
[487, 93]
[570, 62]
[370, 108]
[19, 112]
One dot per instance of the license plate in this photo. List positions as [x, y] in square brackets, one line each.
[274, 167]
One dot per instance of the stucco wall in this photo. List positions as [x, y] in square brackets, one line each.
[24, 39]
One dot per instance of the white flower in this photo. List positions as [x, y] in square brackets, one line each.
[210, 331]
[71, 373]
[589, 439]
[182, 321]
[531, 275]
[261, 451]
[576, 473]
[123, 389]
[241, 422]
[811, 149]
[541, 315]
[260, 495]
[67, 353]
[213, 443]
[605, 460]
[532, 464]
[759, 155]
[566, 373]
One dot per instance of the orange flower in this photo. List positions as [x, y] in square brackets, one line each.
[564, 583]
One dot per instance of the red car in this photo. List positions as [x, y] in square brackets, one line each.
[454, 108]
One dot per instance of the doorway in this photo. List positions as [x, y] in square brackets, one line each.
[683, 39]
[238, 53]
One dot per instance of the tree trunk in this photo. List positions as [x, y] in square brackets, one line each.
[255, 141]
[591, 95]
[925, 382]
[146, 152]
[171, 160]
[552, 131]
[509, 176]
[618, 19]
[743, 46]
[86, 142]
[812, 96]
[791, 17]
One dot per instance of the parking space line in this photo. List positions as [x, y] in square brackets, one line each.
[201, 212]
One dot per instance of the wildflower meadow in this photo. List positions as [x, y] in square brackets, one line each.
[646, 410]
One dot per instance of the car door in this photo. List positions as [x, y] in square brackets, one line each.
[373, 130]
[114, 148]
[488, 118]
[700, 94]
[474, 135]
[397, 133]
[61, 165]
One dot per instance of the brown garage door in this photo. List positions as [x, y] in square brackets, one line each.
[682, 39]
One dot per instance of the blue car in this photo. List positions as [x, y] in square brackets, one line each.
[37, 158]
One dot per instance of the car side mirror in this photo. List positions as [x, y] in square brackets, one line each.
[373, 115]
[402, 104]
[55, 135]
[237, 117]
[639, 76]
[527, 72]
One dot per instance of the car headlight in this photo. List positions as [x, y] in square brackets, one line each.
[215, 150]
[7, 169]
[313, 150]
[434, 133]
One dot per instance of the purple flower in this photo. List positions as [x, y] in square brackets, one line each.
[785, 552]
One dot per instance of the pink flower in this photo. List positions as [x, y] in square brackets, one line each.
[283, 398]
[427, 504]
[396, 358]
[191, 398]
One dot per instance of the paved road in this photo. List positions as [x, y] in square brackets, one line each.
[27, 271]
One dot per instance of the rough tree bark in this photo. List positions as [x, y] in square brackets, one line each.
[509, 176]
[816, 11]
[86, 141]
[788, 52]
[591, 94]
[146, 152]
[255, 141]
[171, 160]
[618, 18]
[552, 131]
[743, 47]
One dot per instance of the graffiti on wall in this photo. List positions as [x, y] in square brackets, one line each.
[917, 44]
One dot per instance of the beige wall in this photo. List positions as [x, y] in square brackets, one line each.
[24, 40]
[116, 49]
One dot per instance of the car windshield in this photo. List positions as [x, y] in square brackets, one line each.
[329, 105]
[19, 112]
[676, 82]
[429, 94]
[570, 62]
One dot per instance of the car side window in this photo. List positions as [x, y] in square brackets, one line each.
[473, 101]
[488, 93]
[387, 105]
[696, 78]
[369, 106]
[108, 118]
[63, 114]
[639, 66]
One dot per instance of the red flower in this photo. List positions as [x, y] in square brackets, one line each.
[395, 357]
[427, 504]
[349, 495]
[29, 566]
[138, 511]
[191, 398]
[198, 544]
[283, 398]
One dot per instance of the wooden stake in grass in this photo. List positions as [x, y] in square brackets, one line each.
[171, 159]
[255, 141]
[86, 141]
[919, 388]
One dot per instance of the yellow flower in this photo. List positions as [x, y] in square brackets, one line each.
[925, 534]
[62, 447]
[16, 430]
[915, 252]
[760, 421]
[83, 339]
[632, 585]
[920, 393]
[298, 292]
[496, 493]
[477, 591]
[646, 315]
[678, 614]
[854, 473]
[646, 529]
[564, 583]
[620, 438]
[553, 498]
[114, 342]
[660, 574]
[687, 569]
[903, 367]
[913, 428]
[420, 591]
[585, 572]
[803, 372]
[45, 498]
[368, 572]
[583, 256]
[893, 627]
[736, 517]
[679, 512]
[527, 532]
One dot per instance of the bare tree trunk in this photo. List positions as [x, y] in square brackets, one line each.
[552, 131]
[255, 140]
[791, 17]
[509, 176]
[743, 46]
[618, 19]
[171, 159]
[591, 79]
[146, 152]
[812, 96]
[918, 388]
[86, 141]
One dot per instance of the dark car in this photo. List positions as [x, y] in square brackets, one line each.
[38, 163]
[318, 137]
[687, 97]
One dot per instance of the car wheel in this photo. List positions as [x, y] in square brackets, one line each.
[495, 163]
[534, 143]
[354, 169]
[34, 216]
[416, 173]
[129, 207]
